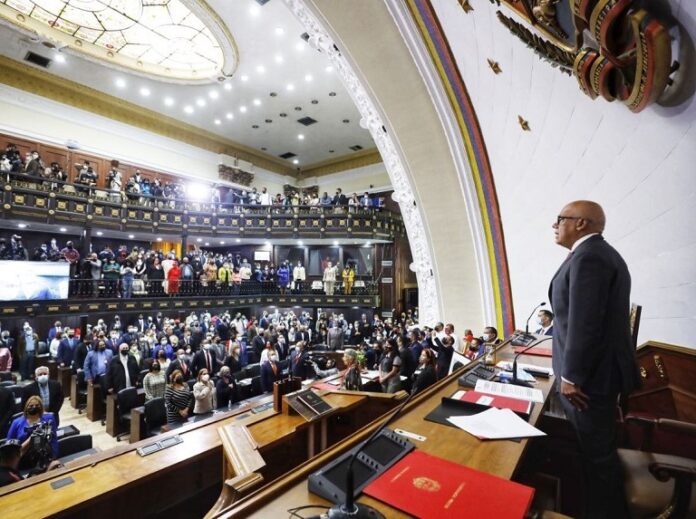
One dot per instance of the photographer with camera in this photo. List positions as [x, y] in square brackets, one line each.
[37, 433]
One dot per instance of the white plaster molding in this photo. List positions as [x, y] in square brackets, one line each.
[414, 42]
[429, 300]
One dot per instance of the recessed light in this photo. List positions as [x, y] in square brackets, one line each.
[131, 236]
[267, 244]
[227, 86]
[279, 31]
[217, 121]
[308, 77]
[144, 91]
[199, 240]
[332, 94]
[329, 68]
[295, 161]
[300, 243]
[169, 101]
[63, 229]
[188, 109]
[229, 115]
[213, 94]
[22, 225]
[201, 102]
[244, 77]
[222, 242]
[254, 10]
[260, 69]
[300, 137]
[99, 233]
[367, 244]
[300, 46]
[121, 83]
[335, 243]
[290, 86]
[60, 58]
[278, 58]
[207, 243]
[238, 240]
[159, 239]
[257, 102]
[243, 109]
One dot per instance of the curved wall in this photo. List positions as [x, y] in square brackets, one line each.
[640, 167]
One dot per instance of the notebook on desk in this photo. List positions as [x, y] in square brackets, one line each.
[426, 486]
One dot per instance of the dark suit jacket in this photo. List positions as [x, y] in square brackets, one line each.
[549, 332]
[7, 409]
[198, 363]
[593, 349]
[116, 375]
[55, 395]
[176, 364]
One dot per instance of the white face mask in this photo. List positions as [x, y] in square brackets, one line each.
[539, 322]
[43, 379]
[205, 378]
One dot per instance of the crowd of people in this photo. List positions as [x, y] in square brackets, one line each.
[139, 189]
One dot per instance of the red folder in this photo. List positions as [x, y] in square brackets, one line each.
[542, 352]
[426, 486]
[325, 385]
[501, 402]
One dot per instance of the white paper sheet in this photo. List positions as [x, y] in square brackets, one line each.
[507, 366]
[495, 424]
[510, 391]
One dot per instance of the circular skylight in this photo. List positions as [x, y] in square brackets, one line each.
[164, 38]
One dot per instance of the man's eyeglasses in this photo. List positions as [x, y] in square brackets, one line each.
[559, 219]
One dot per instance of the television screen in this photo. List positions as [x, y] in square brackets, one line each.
[33, 281]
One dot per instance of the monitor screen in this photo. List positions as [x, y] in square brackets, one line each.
[33, 280]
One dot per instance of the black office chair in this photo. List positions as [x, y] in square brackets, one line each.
[141, 376]
[253, 370]
[155, 416]
[256, 388]
[81, 392]
[74, 444]
[6, 383]
[126, 400]
[6, 376]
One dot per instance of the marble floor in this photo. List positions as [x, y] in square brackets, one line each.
[100, 439]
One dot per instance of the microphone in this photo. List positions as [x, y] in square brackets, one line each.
[526, 328]
[350, 509]
[515, 381]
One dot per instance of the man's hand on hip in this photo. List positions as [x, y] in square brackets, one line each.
[575, 396]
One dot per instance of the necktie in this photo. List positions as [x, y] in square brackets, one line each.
[207, 361]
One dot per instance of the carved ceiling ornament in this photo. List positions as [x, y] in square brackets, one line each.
[616, 49]
[428, 296]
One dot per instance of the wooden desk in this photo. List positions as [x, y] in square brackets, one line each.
[112, 422]
[64, 376]
[500, 458]
[95, 404]
[75, 397]
[109, 484]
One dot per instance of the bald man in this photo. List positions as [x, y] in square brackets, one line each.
[593, 356]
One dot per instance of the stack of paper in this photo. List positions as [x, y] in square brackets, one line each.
[510, 391]
[496, 424]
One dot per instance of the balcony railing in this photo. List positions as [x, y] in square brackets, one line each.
[50, 201]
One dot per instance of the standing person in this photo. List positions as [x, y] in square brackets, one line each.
[329, 278]
[26, 350]
[123, 371]
[299, 275]
[390, 368]
[127, 277]
[173, 279]
[97, 361]
[348, 279]
[351, 378]
[426, 374]
[177, 398]
[283, 276]
[204, 394]
[111, 272]
[593, 355]
[225, 389]
[50, 392]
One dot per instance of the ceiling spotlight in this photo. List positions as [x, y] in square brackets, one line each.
[199, 240]
[213, 94]
[63, 229]
[244, 78]
[335, 243]
[279, 31]
[278, 58]
[201, 102]
[257, 102]
[254, 10]
[188, 109]
[267, 244]
[227, 86]
[229, 115]
[329, 68]
[60, 58]
[207, 243]
[159, 239]
[21, 225]
[121, 83]
[217, 121]
[300, 46]
[169, 101]
[300, 137]
[99, 233]
[367, 244]
[222, 242]
[131, 236]
[290, 87]
[295, 161]
[308, 78]
[260, 69]
[144, 91]
[300, 243]
[238, 240]
[243, 109]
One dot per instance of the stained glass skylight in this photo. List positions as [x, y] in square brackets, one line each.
[159, 37]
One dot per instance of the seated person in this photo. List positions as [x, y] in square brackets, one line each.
[204, 393]
[177, 399]
[426, 373]
[37, 434]
[545, 322]
[351, 378]
[10, 454]
[50, 392]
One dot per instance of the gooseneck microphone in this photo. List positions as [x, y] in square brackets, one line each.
[526, 327]
[350, 509]
[515, 381]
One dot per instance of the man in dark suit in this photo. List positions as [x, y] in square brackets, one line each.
[205, 358]
[122, 371]
[66, 349]
[593, 356]
[545, 322]
[141, 324]
[7, 409]
[49, 391]
[181, 364]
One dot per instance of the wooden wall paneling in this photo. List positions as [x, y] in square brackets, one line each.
[51, 154]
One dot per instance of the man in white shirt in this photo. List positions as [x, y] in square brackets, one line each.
[264, 197]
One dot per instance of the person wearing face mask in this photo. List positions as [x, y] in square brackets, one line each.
[181, 364]
[225, 389]
[165, 347]
[97, 362]
[50, 392]
[490, 336]
[37, 432]
[545, 321]
[426, 373]
[154, 382]
[177, 399]
[27, 347]
[270, 369]
[5, 351]
[122, 371]
[205, 358]
[204, 394]
[66, 349]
